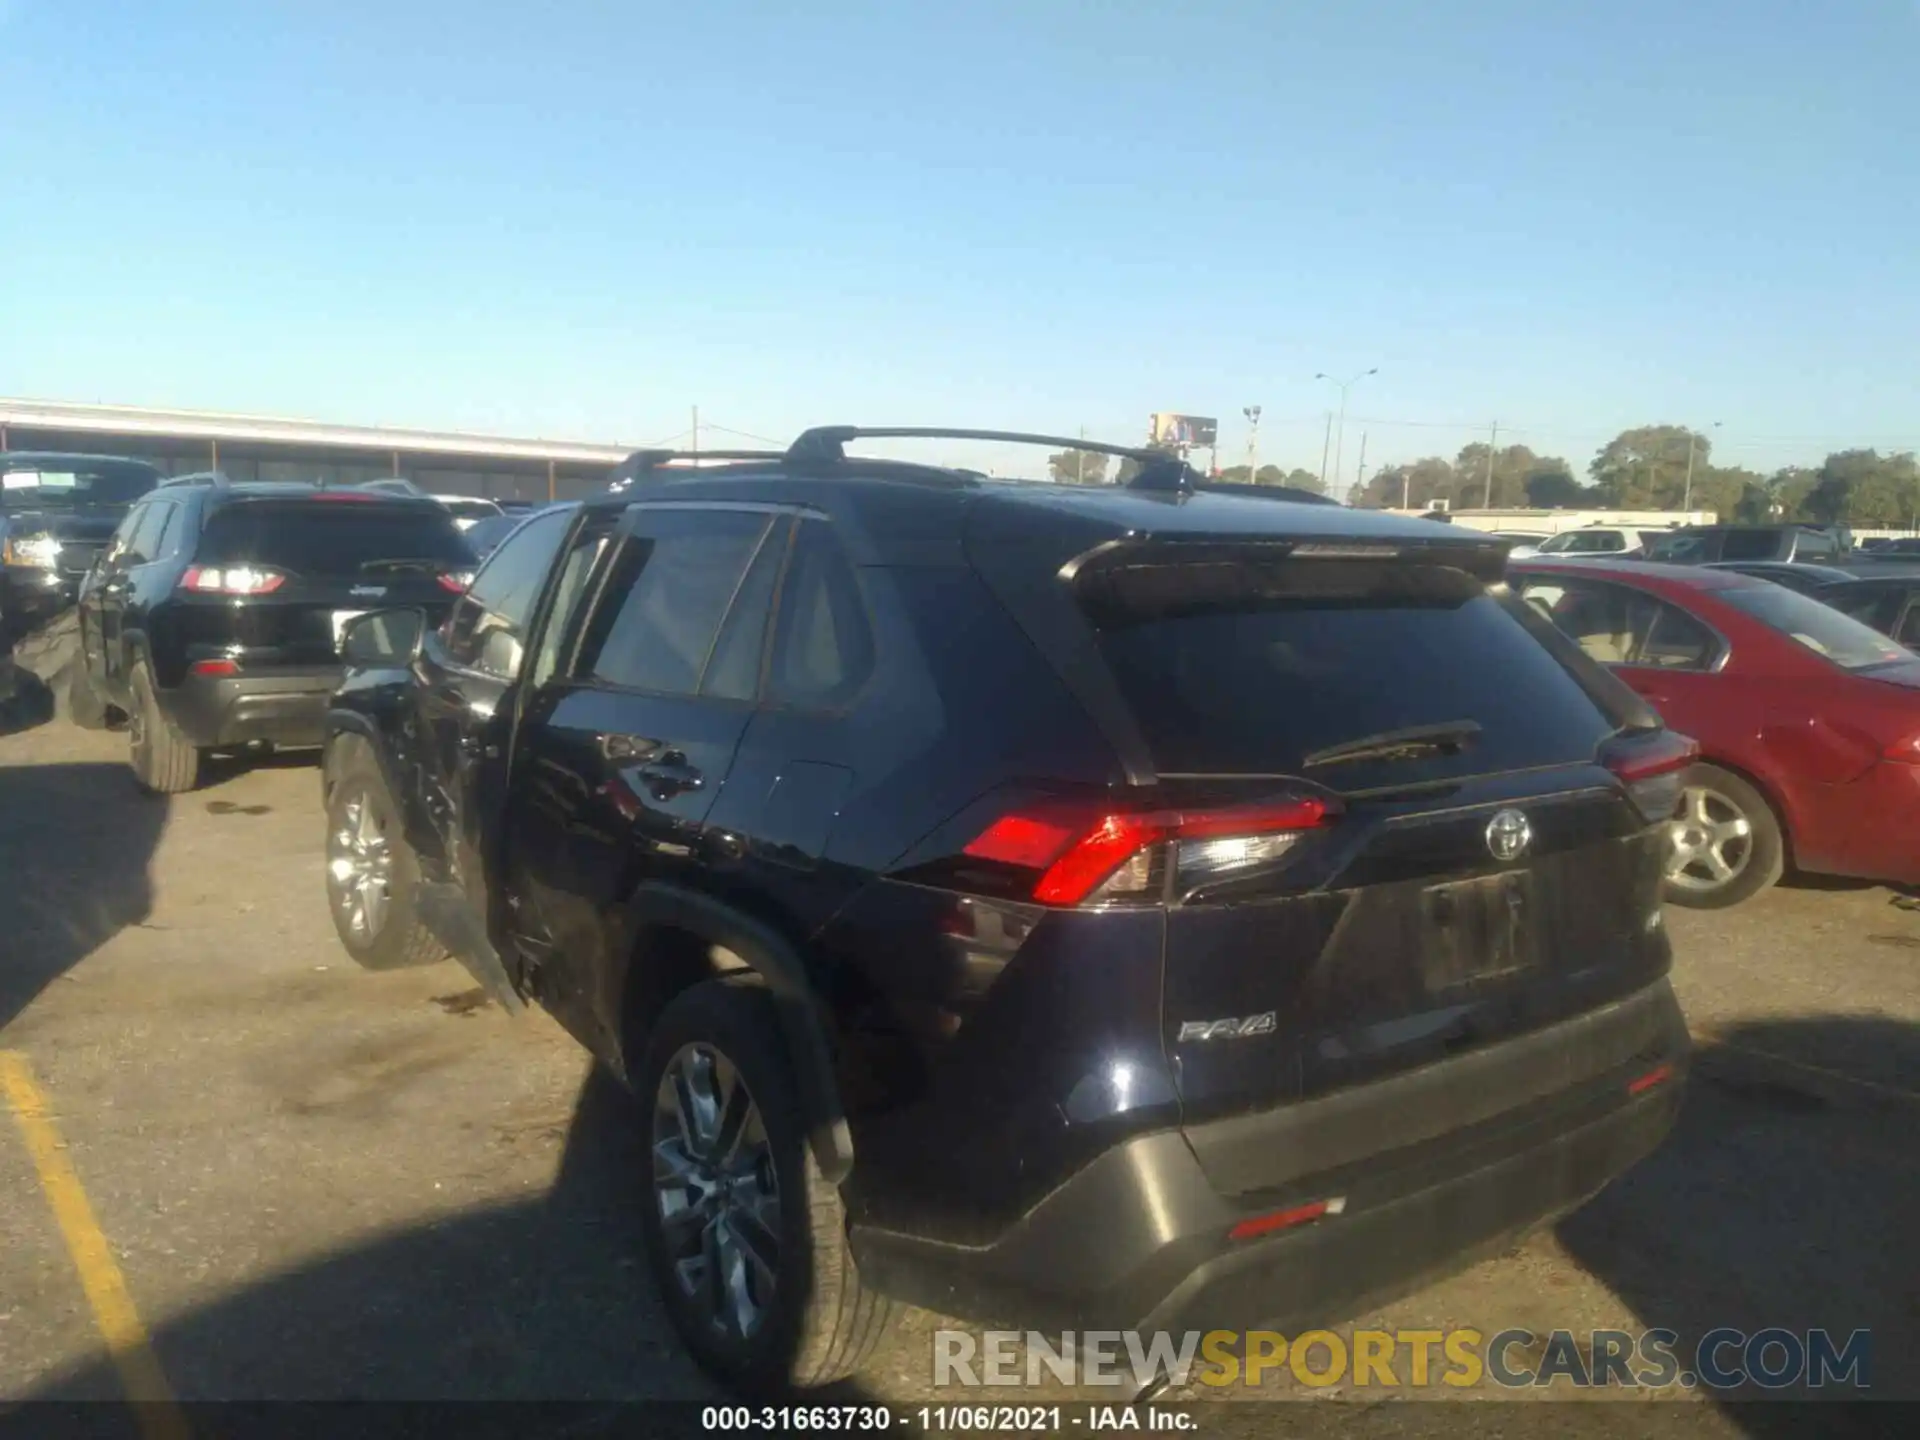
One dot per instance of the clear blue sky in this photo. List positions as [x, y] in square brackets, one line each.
[581, 219]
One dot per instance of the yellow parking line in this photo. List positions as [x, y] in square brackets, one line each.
[113, 1309]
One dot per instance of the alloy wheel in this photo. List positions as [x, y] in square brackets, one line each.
[360, 867]
[1712, 841]
[717, 1191]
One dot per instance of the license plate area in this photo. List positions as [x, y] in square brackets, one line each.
[1478, 929]
[341, 619]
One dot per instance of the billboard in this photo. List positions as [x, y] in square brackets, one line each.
[1200, 432]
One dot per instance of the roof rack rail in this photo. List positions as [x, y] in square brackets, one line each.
[1159, 469]
[645, 462]
[198, 477]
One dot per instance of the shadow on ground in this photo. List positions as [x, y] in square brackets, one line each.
[546, 1301]
[1787, 1196]
[75, 842]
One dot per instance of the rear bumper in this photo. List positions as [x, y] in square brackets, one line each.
[1862, 829]
[1139, 1238]
[286, 708]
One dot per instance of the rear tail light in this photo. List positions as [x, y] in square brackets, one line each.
[1652, 770]
[216, 667]
[232, 580]
[1906, 751]
[1123, 855]
[457, 581]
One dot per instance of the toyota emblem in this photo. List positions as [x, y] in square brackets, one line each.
[1509, 834]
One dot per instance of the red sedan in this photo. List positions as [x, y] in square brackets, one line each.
[1808, 721]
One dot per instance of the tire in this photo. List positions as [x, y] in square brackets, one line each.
[815, 1323]
[372, 874]
[1722, 815]
[84, 705]
[164, 761]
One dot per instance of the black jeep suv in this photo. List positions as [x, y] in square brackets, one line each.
[57, 513]
[1154, 905]
[213, 620]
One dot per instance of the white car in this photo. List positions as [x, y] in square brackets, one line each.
[1521, 543]
[1588, 541]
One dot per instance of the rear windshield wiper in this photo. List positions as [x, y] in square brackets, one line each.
[1446, 738]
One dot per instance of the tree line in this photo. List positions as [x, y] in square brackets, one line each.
[1080, 467]
[1657, 467]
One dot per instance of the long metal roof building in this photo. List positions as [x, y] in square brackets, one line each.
[252, 447]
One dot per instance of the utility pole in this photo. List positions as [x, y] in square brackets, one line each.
[1406, 489]
[1340, 439]
[1252, 412]
[1493, 440]
[696, 430]
[1323, 450]
[1686, 495]
[1360, 474]
[1080, 460]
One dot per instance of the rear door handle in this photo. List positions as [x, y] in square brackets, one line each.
[670, 774]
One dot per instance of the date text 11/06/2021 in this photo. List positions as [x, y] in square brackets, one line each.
[985, 1419]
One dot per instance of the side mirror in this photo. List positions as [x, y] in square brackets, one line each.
[384, 637]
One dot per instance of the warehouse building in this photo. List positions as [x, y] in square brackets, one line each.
[249, 447]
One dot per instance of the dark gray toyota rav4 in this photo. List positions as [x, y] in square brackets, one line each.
[1160, 905]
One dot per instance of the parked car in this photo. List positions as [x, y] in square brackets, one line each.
[469, 510]
[57, 512]
[1889, 604]
[1808, 579]
[1808, 721]
[1790, 544]
[213, 620]
[1594, 540]
[484, 536]
[1107, 951]
[1520, 544]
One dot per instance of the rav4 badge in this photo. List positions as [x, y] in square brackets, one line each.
[1231, 1029]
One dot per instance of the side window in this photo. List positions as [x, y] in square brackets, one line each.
[823, 642]
[144, 546]
[1610, 541]
[733, 671]
[172, 534]
[123, 535]
[671, 586]
[1674, 640]
[1597, 618]
[575, 572]
[1908, 632]
[487, 630]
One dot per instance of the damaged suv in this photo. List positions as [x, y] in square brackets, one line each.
[1163, 905]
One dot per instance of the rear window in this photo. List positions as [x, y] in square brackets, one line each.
[1239, 669]
[330, 537]
[1750, 545]
[1816, 625]
[1685, 549]
[55, 482]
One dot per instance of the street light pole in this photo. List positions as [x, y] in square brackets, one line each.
[1340, 428]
